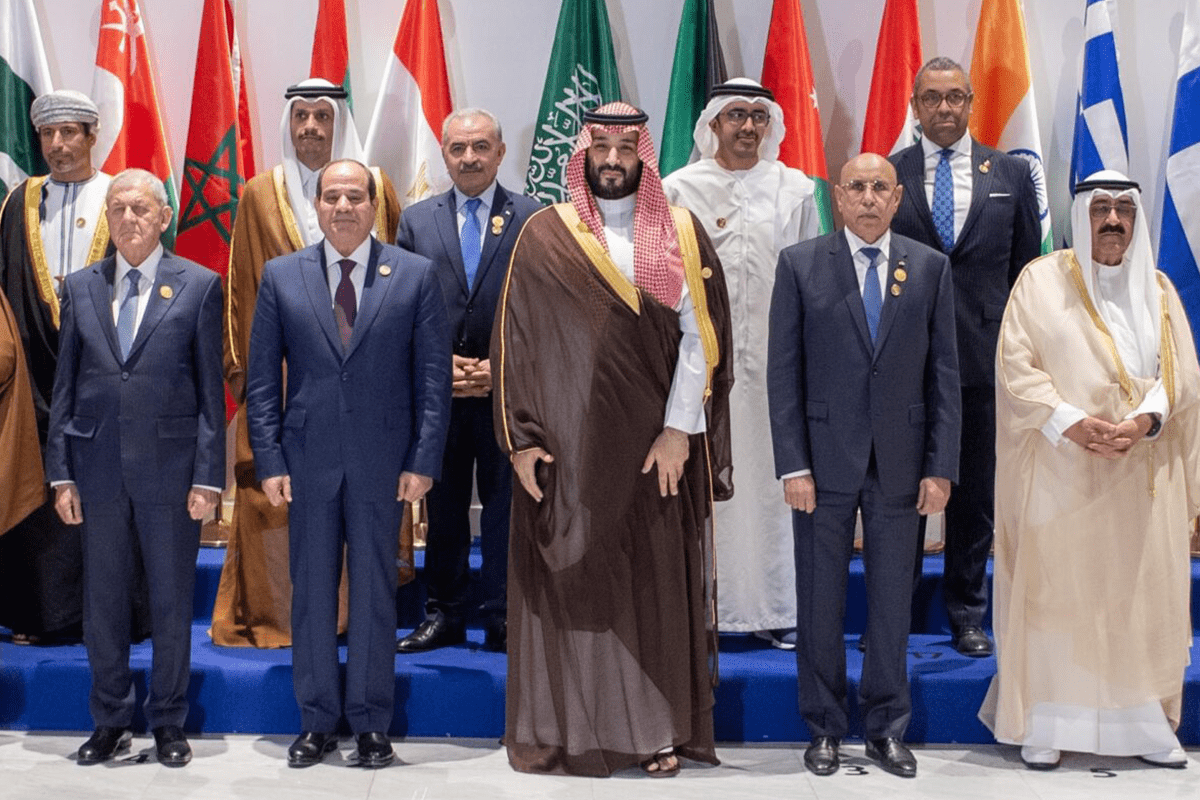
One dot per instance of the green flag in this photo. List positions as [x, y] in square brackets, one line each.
[582, 75]
[24, 74]
[699, 65]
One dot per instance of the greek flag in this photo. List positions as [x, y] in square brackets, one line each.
[1101, 138]
[1179, 246]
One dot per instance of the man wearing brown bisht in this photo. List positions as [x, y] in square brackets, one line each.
[613, 343]
[276, 216]
[21, 482]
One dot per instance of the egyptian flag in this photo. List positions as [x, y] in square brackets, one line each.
[889, 126]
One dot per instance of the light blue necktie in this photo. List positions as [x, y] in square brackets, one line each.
[943, 201]
[872, 297]
[469, 240]
[127, 314]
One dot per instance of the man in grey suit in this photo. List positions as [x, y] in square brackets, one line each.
[468, 233]
[979, 207]
[862, 386]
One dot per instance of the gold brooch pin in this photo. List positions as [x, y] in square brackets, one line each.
[385, 270]
[895, 290]
[582, 226]
[497, 225]
[985, 166]
[79, 223]
[900, 275]
[166, 292]
[721, 222]
[706, 273]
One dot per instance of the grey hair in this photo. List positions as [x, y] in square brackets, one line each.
[134, 176]
[941, 64]
[463, 113]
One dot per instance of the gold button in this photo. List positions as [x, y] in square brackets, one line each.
[721, 222]
[79, 223]
[895, 290]
[706, 273]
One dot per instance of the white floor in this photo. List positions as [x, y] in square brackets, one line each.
[35, 765]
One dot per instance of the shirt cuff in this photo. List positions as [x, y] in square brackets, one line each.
[800, 473]
[61, 483]
[1155, 402]
[216, 489]
[1063, 417]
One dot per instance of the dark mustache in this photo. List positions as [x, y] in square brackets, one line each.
[1112, 229]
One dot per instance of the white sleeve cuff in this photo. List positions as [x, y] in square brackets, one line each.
[1155, 402]
[797, 474]
[1063, 417]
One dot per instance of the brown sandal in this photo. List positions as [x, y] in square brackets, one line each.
[662, 765]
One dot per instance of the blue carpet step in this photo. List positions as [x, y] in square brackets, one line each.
[459, 691]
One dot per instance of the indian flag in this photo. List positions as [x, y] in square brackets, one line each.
[1003, 114]
[24, 74]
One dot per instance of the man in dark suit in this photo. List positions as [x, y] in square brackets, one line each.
[136, 453]
[862, 385]
[362, 327]
[468, 233]
[979, 206]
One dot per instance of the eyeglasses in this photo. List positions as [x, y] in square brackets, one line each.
[857, 189]
[738, 117]
[955, 99]
[1125, 211]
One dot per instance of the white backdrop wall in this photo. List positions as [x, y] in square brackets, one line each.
[497, 52]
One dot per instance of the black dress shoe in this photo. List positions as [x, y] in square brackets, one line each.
[495, 635]
[821, 757]
[972, 641]
[171, 746]
[432, 634]
[104, 743]
[310, 747]
[374, 750]
[892, 756]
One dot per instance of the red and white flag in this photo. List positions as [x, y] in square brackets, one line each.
[331, 48]
[131, 131]
[414, 100]
[889, 125]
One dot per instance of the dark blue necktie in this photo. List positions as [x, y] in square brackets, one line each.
[127, 314]
[469, 240]
[943, 201]
[345, 303]
[872, 297]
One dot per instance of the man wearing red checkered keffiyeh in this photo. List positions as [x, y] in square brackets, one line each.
[610, 354]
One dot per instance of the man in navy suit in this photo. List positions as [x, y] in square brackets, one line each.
[979, 206]
[862, 385]
[136, 453]
[468, 233]
[362, 328]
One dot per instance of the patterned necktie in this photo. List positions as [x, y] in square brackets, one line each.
[943, 201]
[872, 297]
[469, 240]
[127, 314]
[345, 307]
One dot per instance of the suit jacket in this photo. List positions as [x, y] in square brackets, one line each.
[367, 414]
[154, 423]
[430, 228]
[1002, 233]
[833, 396]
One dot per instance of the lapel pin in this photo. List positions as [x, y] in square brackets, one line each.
[985, 166]
[384, 270]
[721, 222]
[706, 273]
[497, 225]
[900, 275]
[166, 292]
[80, 222]
[895, 290]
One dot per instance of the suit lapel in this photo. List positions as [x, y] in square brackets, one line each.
[100, 288]
[847, 284]
[316, 281]
[981, 185]
[446, 216]
[910, 172]
[897, 259]
[375, 286]
[501, 209]
[168, 283]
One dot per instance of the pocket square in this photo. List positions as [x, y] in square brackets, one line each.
[1000, 194]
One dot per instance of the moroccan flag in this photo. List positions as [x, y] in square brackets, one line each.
[1179, 246]
[131, 130]
[582, 75]
[1003, 114]
[699, 65]
[1101, 136]
[787, 71]
[889, 126]
[331, 49]
[24, 74]
[414, 99]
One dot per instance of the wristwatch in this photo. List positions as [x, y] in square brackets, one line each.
[1155, 424]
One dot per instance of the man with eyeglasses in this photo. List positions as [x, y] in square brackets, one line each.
[979, 206]
[1097, 389]
[751, 207]
[863, 389]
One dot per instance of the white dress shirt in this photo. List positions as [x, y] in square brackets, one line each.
[960, 172]
[358, 275]
[149, 271]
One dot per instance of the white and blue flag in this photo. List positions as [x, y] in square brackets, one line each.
[1101, 137]
[1179, 245]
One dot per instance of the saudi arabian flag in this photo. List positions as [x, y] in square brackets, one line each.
[24, 74]
[582, 75]
[699, 65]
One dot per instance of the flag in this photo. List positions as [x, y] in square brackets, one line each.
[889, 126]
[582, 75]
[24, 74]
[697, 53]
[1101, 138]
[331, 48]
[414, 99]
[787, 71]
[1179, 245]
[131, 130]
[1003, 114]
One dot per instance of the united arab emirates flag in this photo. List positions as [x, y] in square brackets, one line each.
[699, 65]
[331, 48]
[24, 74]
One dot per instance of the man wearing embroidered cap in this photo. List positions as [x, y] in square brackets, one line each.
[612, 373]
[1097, 474]
[50, 226]
[276, 216]
[751, 206]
